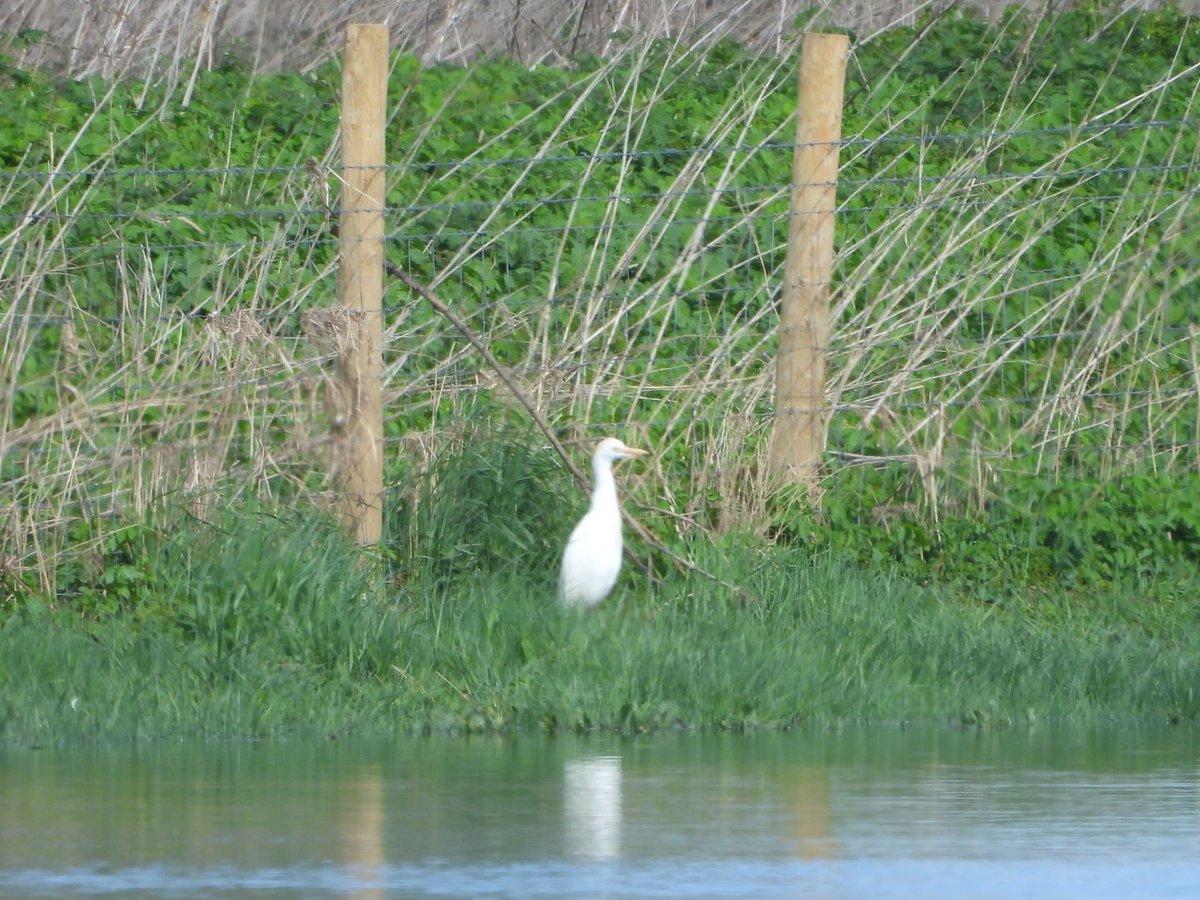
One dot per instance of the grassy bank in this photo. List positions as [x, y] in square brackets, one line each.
[263, 623]
[1009, 525]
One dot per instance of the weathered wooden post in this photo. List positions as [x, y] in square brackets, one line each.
[360, 277]
[798, 440]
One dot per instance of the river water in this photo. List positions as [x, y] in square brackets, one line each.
[867, 812]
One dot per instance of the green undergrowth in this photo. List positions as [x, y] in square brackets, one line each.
[1028, 536]
[265, 622]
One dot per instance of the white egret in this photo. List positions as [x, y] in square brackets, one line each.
[592, 559]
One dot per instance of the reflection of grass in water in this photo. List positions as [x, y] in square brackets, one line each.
[269, 625]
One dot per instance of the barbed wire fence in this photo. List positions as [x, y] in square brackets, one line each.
[170, 334]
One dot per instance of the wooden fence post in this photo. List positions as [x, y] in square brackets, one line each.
[360, 277]
[798, 440]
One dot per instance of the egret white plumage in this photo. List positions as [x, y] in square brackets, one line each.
[592, 559]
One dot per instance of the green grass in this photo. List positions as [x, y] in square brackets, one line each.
[269, 623]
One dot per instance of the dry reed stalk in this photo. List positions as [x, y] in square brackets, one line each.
[191, 396]
[171, 40]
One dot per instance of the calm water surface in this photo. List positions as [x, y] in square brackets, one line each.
[872, 813]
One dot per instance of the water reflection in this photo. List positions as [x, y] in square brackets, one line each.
[592, 806]
[812, 814]
[871, 813]
[361, 833]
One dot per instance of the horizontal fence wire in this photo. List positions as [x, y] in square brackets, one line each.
[986, 136]
[973, 179]
[176, 334]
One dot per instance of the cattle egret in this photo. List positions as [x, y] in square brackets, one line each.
[592, 559]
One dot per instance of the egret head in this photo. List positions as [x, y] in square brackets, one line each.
[611, 449]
